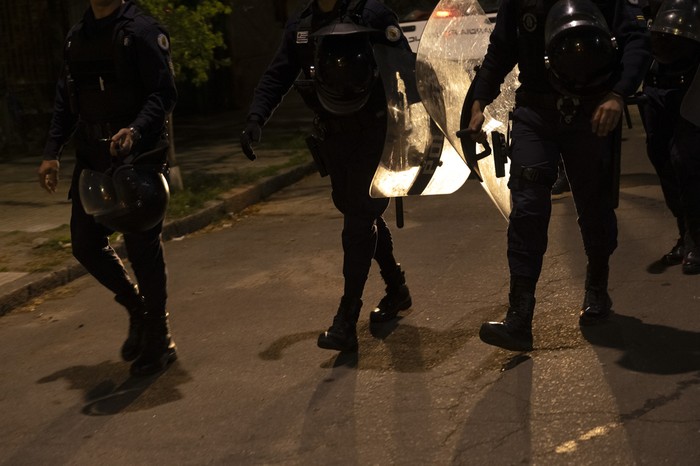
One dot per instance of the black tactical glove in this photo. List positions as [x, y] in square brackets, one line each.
[251, 134]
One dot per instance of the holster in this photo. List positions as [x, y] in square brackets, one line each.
[314, 145]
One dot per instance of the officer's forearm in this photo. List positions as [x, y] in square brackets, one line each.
[151, 118]
[61, 127]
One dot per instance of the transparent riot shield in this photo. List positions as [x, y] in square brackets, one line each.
[453, 44]
[417, 159]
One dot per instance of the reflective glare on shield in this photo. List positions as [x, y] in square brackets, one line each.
[453, 44]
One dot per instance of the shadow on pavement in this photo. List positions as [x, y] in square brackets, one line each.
[392, 345]
[647, 348]
[109, 397]
[499, 425]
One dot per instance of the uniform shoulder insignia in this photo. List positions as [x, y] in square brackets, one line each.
[529, 21]
[633, 2]
[163, 42]
[393, 33]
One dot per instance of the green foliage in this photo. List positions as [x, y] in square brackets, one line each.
[202, 187]
[193, 35]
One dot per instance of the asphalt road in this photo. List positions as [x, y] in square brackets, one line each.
[249, 297]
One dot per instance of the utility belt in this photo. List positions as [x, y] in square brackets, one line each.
[330, 125]
[334, 124]
[98, 131]
[567, 106]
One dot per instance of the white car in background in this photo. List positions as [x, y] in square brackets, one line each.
[413, 14]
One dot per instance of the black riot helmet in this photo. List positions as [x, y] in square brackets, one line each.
[675, 31]
[580, 51]
[129, 198]
[344, 67]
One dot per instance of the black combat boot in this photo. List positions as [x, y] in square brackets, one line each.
[597, 304]
[691, 258]
[691, 262]
[342, 335]
[675, 255]
[515, 331]
[158, 349]
[397, 296]
[134, 340]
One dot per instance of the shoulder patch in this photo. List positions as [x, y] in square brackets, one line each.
[633, 2]
[529, 21]
[163, 42]
[393, 33]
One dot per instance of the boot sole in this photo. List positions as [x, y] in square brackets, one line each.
[671, 262]
[379, 317]
[130, 357]
[331, 345]
[168, 358]
[588, 320]
[502, 341]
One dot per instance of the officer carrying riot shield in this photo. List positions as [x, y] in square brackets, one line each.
[326, 54]
[577, 59]
[672, 139]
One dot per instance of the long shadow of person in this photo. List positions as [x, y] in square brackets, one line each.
[109, 397]
[403, 348]
[662, 376]
[498, 427]
[647, 348]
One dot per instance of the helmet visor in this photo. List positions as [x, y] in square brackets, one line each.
[97, 193]
[678, 18]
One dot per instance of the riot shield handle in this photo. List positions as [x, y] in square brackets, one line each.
[638, 98]
[399, 212]
[469, 149]
[500, 153]
[468, 144]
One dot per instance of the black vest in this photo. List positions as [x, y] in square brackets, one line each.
[102, 73]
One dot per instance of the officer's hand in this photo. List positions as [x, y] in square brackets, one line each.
[476, 123]
[251, 134]
[122, 142]
[48, 175]
[607, 116]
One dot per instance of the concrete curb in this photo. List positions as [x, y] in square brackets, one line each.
[31, 286]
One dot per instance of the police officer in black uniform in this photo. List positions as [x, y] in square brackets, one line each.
[329, 43]
[113, 97]
[673, 141]
[574, 77]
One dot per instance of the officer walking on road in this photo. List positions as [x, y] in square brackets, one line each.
[574, 75]
[673, 141]
[329, 43]
[113, 97]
